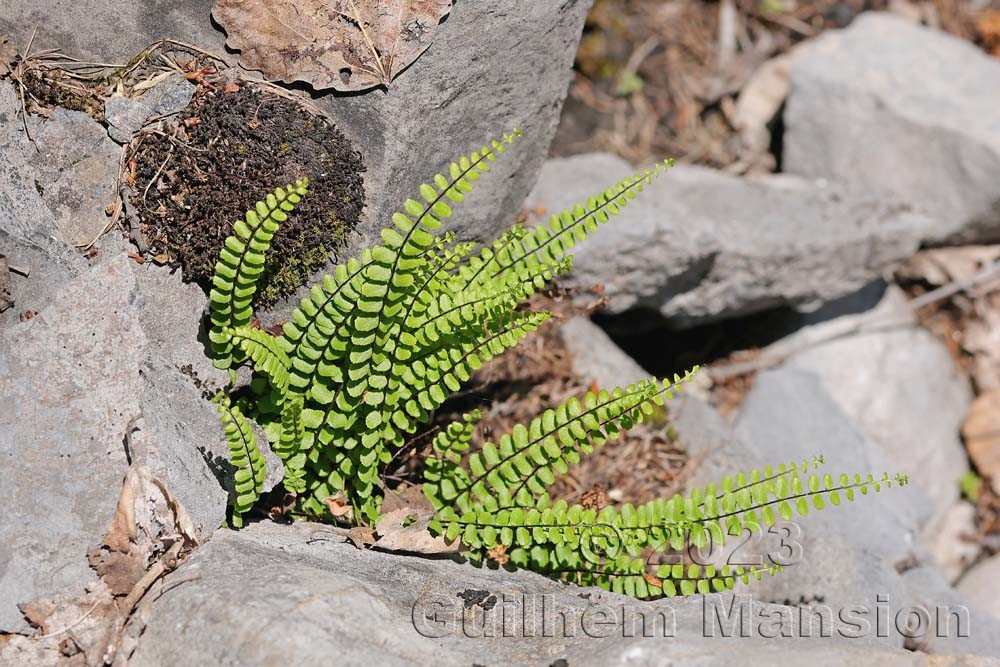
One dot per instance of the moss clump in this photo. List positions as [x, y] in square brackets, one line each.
[224, 152]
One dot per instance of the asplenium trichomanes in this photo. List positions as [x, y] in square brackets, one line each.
[383, 340]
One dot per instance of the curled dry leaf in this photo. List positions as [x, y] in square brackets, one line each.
[595, 499]
[498, 553]
[337, 504]
[361, 536]
[147, 520]
[348, 45]
[404, 525]
[71, 631]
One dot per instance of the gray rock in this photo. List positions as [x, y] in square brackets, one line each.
[29, 234]
[29, 237]
[69, 386]
[700, 246]
[958, 625]
[72, 164]
[844, 558]
[126, 116]
[180, 436]
[900, 386]
[106, 32]
[981, 585]
[911, 113]
[298, 595]
[596, 358]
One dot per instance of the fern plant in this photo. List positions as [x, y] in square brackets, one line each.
[385, 338]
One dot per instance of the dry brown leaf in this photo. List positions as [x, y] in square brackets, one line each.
[981, 431]
[408, 496]
[348, 45]
[338, 505]
[653, 581]
[988, 27]
[595, 499]
[407, 529]
[361, 536]
[406, 516]
[79, 627]
[147, 515]
[498, 553]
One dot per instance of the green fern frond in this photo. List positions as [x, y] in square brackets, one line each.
[292, 445]
[599, 546]
[241, 261]
[266, 353]
[391, 276]
[522, 248]
[517, 470]
[383, 341]
[250, 470]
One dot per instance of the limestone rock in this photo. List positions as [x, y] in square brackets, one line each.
[908, 112]
[298, 595]
[69, 386]
[700, 246]
[980, 583]
[900, 386]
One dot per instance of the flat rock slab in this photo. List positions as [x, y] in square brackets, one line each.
[297, 595]
[889, 107]
[700, 246]
[69, 386]
[70, 161]
[78, 165]
[880, 373]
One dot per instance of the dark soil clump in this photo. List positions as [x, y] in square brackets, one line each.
[227, 150]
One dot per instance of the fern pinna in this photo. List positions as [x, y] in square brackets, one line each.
[385, 338]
